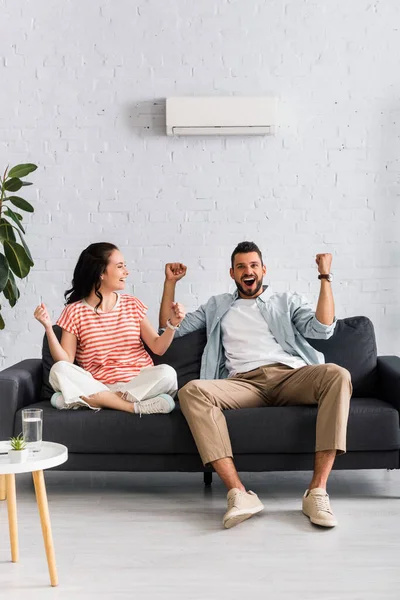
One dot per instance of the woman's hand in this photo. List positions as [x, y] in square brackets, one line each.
[42, 316]
[176, 314]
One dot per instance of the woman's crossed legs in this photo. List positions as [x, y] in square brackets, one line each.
[79, 388]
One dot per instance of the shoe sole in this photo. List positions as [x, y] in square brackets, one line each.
[241, 516]
[54, 398]
[320, 522]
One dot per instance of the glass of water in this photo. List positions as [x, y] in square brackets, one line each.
[32, 425]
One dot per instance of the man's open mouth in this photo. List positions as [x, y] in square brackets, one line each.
[248, 281]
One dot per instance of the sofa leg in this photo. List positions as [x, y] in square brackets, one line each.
[207, 479]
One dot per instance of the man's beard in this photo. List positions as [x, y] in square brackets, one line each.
[249, 292]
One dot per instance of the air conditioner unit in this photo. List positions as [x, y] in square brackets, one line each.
[220, 115]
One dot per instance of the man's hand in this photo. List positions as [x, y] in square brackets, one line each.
[175, 271]
[324, 262]
[177, 314]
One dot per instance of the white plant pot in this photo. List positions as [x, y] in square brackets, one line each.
[18, 456]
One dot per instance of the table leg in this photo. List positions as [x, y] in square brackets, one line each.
[12, 516]
[2, 487]
[41, 497]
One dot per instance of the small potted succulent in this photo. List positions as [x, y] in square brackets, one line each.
[19, 452]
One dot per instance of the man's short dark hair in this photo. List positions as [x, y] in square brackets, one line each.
[245, 247]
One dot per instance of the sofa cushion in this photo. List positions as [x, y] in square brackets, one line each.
[373, 426]
[353, 347]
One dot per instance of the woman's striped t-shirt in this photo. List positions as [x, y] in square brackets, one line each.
[109, 344]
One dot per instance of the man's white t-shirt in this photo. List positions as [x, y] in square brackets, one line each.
[248, 341]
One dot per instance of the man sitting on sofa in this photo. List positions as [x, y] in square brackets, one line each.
[256, 355]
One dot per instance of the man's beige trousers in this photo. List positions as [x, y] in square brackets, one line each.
[327, 386]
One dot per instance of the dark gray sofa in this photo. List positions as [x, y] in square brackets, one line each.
[263, 439]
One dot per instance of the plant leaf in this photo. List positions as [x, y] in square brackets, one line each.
[20, 217]
[26, 248]
[4, 271]
[7, 231]
[14, 216]
[21, 203]
[13, 185]
[25, 183]
[2, 324]
[17, 259]
[11, 292]
[22, 170]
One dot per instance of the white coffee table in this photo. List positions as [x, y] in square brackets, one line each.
[50, 455]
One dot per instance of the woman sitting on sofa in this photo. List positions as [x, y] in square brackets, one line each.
[103, 332]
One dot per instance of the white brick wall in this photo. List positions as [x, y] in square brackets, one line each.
[82, 95]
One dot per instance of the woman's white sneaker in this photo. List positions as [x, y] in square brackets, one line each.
[57, 401]
[164, 404]
[316, 506]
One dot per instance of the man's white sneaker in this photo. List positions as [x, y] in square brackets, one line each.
[316, 506]
[163, 403]
[241, 506]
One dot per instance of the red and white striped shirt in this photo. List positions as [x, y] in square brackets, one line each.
[109, 344]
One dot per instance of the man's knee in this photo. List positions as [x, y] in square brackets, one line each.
[341, 378]
[335, 371]
[186, 393]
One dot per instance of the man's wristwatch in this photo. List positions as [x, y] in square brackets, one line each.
[173, 327]
[327, 276]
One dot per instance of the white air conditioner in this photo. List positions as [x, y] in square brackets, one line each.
[220, 115]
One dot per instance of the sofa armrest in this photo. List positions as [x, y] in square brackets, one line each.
[20, 386]
[389, 379]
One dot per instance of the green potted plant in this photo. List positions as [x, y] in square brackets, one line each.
[19, 452]
[16, 261]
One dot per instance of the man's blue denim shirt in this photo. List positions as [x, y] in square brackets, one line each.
[289, 316]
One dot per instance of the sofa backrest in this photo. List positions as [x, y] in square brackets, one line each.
[48, 362]
[352, 346]
[184, 354]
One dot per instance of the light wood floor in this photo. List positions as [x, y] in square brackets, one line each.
[159, 536]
